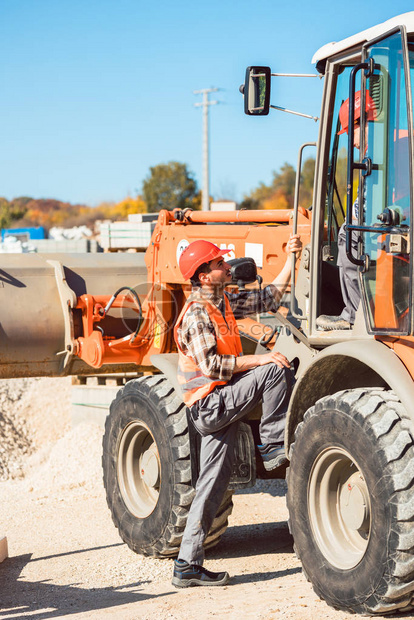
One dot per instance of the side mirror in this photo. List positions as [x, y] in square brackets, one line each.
[256, 91]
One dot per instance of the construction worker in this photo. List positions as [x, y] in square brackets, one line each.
[348, 272]
[221, 386]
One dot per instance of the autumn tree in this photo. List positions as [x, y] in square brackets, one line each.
[12, 211]
[127, 206]
[306, 182]
[255, 199]
[24, 212]
[278, 200]
[284, 183]
[5, 218]
[18, 207]
[196, 201]
[280, 193]
[168, 186]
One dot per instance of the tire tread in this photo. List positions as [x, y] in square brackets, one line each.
[173, 412]
[381, 415]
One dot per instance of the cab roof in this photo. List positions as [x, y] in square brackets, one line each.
[324, 52]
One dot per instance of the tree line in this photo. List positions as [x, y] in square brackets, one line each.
[166, 186]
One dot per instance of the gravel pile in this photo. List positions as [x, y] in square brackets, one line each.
[34, 413]
[73, 463]
[37, 441]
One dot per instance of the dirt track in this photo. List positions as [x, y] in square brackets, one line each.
[66, 559]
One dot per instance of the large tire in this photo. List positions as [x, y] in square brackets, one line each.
[351, 501]
[147, 469]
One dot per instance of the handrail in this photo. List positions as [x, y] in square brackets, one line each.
[294, 231]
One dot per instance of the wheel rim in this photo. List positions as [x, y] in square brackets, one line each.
[339, 508]
[139, 469]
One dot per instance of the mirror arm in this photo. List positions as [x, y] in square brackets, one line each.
[312, 75]
[276, 107]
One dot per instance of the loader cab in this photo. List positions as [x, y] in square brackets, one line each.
[363, 186]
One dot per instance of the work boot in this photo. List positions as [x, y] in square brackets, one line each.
[186, 575]
[327, 323]
[273, 456]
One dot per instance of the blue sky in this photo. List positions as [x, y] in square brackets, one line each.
[94, 92]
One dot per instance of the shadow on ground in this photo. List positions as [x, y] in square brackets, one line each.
[257, 539]
[268, 576]
[275, 488]
[42, 600]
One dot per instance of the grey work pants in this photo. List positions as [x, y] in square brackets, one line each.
[216, 419]
[348, 277]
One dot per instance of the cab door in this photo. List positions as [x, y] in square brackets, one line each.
[380, 241]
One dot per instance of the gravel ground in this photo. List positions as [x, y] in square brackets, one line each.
[66, 559]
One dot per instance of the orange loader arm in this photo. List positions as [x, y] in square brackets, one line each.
[260, 234]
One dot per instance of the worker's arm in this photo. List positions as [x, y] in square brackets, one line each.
[281, 281]
[200, 343]
[268, 299]
[278, 286]
[247, 362]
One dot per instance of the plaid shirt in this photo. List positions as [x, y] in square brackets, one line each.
[196, 336]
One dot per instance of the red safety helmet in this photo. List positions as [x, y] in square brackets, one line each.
[197, 253]
[370, 109]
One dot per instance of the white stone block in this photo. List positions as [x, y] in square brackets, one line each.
[4, 553]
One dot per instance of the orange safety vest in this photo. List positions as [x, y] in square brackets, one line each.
[194, 384]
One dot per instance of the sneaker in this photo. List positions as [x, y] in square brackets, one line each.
[186, 575]
[326, 322]
[273, 456]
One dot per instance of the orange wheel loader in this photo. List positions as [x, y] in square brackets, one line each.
[350, 429]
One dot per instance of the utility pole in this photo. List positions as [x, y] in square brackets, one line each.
[205, 192]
